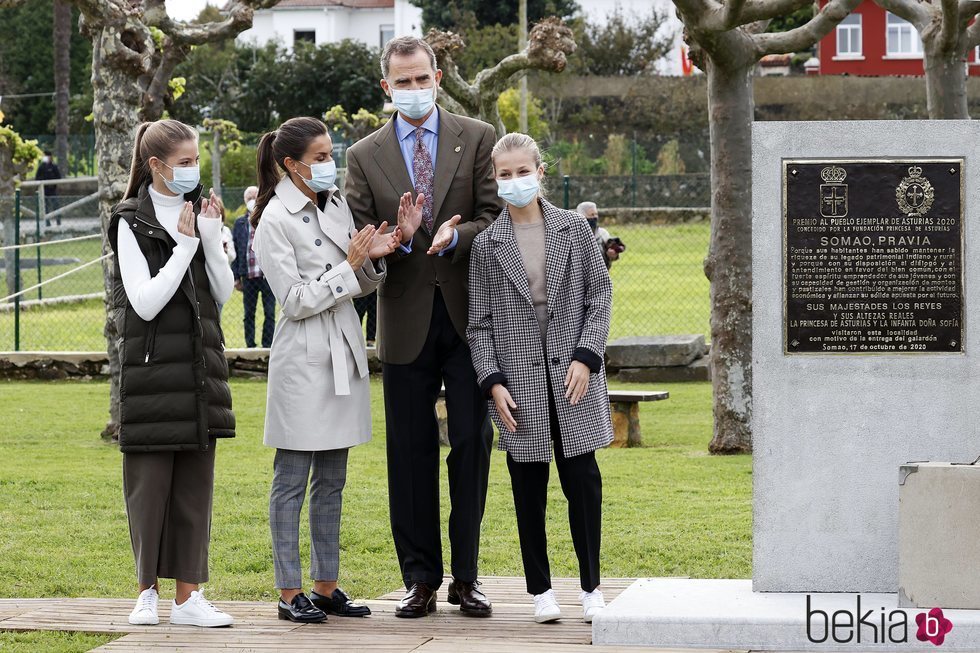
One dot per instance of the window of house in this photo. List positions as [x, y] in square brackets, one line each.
[303, 35]
[903, 39]
[849, 36]
[387, 33]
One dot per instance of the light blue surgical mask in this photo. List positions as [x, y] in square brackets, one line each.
[414, 104]
[186, 179]
[322, 176]
[520, 191]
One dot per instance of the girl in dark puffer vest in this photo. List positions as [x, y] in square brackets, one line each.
[170, 277]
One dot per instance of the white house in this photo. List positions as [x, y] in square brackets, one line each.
[373, 22]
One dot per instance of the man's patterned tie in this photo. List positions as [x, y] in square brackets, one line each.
[422, 168]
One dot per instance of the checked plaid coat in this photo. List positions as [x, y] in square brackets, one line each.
[505, 340]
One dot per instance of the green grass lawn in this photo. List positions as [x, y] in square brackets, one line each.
[56, 642]
[669, 507]
[659, 287]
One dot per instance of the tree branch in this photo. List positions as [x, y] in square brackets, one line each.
[949, 36]
[968, 10]
[972, 38]
[806, 35]
[913, 11]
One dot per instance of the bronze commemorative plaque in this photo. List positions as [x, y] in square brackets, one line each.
[873, 256]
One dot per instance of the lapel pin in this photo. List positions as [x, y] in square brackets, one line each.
[458, 148]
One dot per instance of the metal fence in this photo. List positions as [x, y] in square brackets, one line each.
[52, 284]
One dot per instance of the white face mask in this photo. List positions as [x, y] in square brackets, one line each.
[520, 191]
[414, 104]
[250, 205]
[186, 179]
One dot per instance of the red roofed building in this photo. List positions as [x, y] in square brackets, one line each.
[873, 42]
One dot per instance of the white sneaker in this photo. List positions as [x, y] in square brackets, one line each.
[198, 611]
[592, 604]
[546, 607]
[145, 612]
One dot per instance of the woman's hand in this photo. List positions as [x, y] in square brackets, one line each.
[576, 381]
[360, 246]
[186, 220]
[383, 243]
[505, 404]
[212, 208]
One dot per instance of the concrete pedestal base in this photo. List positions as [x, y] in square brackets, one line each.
[727, 614]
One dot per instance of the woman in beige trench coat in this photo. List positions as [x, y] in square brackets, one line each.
[319, 393]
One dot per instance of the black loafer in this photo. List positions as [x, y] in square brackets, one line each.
[301, 610]
[340, 604]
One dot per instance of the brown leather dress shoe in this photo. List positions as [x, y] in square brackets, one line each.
[471, 601]
[418, 602]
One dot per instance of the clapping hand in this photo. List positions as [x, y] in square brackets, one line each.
[383, 243]
[445, 235]
[360, 246]
[409, 215]
[185, 222]
[211, 208]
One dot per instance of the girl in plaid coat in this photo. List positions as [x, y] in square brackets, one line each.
[540, 304]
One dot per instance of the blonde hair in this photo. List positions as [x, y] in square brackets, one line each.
[157, 139]
[517, 141]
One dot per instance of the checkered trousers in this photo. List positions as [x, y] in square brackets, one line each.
[505, 339]
[291, 474]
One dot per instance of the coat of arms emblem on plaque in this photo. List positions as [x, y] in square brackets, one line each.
[833, 192]
[915, 194]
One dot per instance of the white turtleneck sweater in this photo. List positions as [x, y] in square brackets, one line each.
[148, 295]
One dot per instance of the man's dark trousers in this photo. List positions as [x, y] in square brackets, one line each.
[413, 455]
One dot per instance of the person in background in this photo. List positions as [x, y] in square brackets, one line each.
[48, 169]
[249, 278]
[367, 310]
[610, 246]
[540, 305]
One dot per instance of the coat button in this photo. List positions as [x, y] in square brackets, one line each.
[150, 232]
[554, 361]
[340, 289]
[329, 266]
[306, 218]
[318, 242]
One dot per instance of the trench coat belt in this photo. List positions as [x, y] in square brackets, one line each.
[337, 335]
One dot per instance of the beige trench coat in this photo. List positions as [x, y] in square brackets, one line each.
[319, 394]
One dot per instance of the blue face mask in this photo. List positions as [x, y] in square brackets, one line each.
[322, 176]
[414, 104]
[518, 192]
[186, 179]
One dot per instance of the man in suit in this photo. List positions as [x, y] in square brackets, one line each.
[249, 278]
[444, 161]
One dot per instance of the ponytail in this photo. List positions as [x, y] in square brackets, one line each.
[157, 139]
[267, 174]
[291, 140]
[139, 171]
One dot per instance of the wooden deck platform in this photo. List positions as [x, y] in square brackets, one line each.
[257, 628]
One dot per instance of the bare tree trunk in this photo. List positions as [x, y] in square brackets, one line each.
[728, 265]
[216, 160]
[945, 85]
[62, 81]
[116, 96]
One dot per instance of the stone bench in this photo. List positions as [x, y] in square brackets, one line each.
[625, 405]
